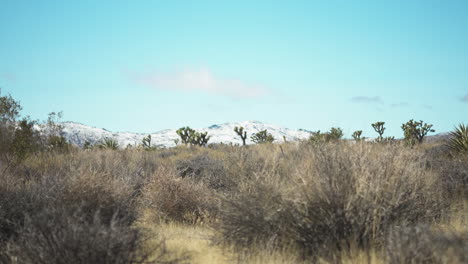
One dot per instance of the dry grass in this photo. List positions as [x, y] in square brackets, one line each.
[327, 198]
[289, 203]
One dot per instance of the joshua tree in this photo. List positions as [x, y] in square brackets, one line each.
[262, 137]
[334, 134]
[415, 131]
[200, 139]
[242, 134]
[186, 134]
[190, 136]
[380, 129]
[146, 143]
[357, 135]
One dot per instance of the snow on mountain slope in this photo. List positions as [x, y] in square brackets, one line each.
[78, 134]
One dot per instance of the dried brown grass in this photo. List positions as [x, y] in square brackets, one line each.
[330, 203]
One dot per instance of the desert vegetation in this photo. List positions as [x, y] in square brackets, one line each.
[322, 200]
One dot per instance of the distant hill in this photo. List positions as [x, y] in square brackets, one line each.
[78, 134]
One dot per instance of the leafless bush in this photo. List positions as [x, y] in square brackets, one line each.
[335, 195]
[55, 236]
[421, 244]
[203, 168]
[178, 199]
[453, 170]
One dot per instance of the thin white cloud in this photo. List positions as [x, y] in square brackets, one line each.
[401, 104]
[201, 80]
[427, 106]
[367, 99]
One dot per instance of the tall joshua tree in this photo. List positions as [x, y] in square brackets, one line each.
[242, 134]
[380, 129]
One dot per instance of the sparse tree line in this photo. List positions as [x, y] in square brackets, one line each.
[20, 137]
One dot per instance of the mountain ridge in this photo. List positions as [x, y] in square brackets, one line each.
[78, 133]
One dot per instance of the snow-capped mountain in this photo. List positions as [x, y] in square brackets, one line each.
[78, 134]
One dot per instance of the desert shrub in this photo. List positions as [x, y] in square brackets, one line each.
[458, 140]
[109, 143]
[241, 164]
[335, 196]
[15, 203]
[452, 169]
[21, 138]
[261, 217]
[52, 134]
[55, 184]
[203, 168]
[421, 244]
[178, 199]
[18, 142]
[90, 193]
[9, 113]
[56, 236]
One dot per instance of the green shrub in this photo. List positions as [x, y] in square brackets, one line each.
[109, 143]
[26, 140]
[458, 140]
[53, 134]
[18, 139]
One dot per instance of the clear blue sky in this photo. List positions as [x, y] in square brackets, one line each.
[143, 66]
